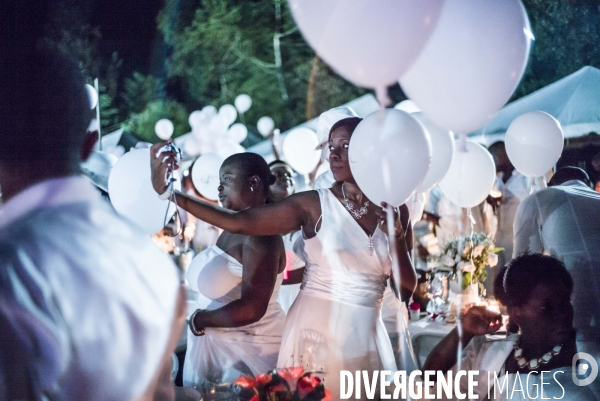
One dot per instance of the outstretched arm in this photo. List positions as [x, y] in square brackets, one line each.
[261, 260]
[277, 218]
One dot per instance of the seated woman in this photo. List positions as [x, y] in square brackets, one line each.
[283, 187]
[240, 332]
[536, 290]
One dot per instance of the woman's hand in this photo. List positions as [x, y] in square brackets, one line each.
[478, 321]
[399, 232]
[160, 162]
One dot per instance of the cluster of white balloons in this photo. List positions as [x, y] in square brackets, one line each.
[215, 131]
[458, 61]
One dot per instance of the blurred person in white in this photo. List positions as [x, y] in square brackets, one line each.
[284, 186]
[513, 187]
[536, 290]
[453, 221]
[90, 308]
[563, 220]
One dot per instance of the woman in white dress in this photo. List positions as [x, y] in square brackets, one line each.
[335, 322]
[240, 331]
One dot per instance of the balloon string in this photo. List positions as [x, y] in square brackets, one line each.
[462, 142]
[472, 219]
[542, 182]
[382, 96]
[405, 349]
[391, 235]
[458, 311]
[530, 184]
[172, 200]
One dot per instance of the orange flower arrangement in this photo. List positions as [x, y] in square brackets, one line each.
[288, 384]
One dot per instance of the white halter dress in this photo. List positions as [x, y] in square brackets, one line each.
[335, 322]
[224, 354]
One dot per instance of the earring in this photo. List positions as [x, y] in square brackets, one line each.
[251, 189]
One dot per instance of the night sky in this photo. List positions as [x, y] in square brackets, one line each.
[129, 27]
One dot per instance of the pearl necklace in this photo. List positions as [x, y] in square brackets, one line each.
[535, 362]
[357, 214]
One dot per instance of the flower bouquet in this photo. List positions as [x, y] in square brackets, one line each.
[288, 384]
[468, 256]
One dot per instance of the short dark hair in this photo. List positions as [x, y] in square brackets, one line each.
[349, 123]
[515, 282]
[278, 162]
[497, 146]
[44, 109]
[252, 164]
[569, 173]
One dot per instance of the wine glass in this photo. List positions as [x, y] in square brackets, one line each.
[436, 292]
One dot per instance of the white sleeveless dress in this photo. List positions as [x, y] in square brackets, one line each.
[293, 245]
[224, 354]
[335, 322]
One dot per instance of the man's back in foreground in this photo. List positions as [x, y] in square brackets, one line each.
[89, 308]
[87, 302]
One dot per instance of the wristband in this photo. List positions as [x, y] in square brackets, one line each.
[192, 327]
[167, 194]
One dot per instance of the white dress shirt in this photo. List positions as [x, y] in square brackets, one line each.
[514, 190]
[564, 221]
[87, 302]
[454, 220]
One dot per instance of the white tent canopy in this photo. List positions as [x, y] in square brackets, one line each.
[573, 100]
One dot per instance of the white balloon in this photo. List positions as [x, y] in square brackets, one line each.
[472, 63]
[200, 132]
[92, 96]
[192, 146]
[299, 150]
[370, 43]
[442, 152]
[237, 132]
[243, 103]
[196, 118]
[132, 195]
[218, 125]
[205, 175]
[227, 148]
[228, 113]
[389, 155]
[470, 177]
[164, 129]
[408, 106]
[210, 111]
[265, 125]
[534, 142]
